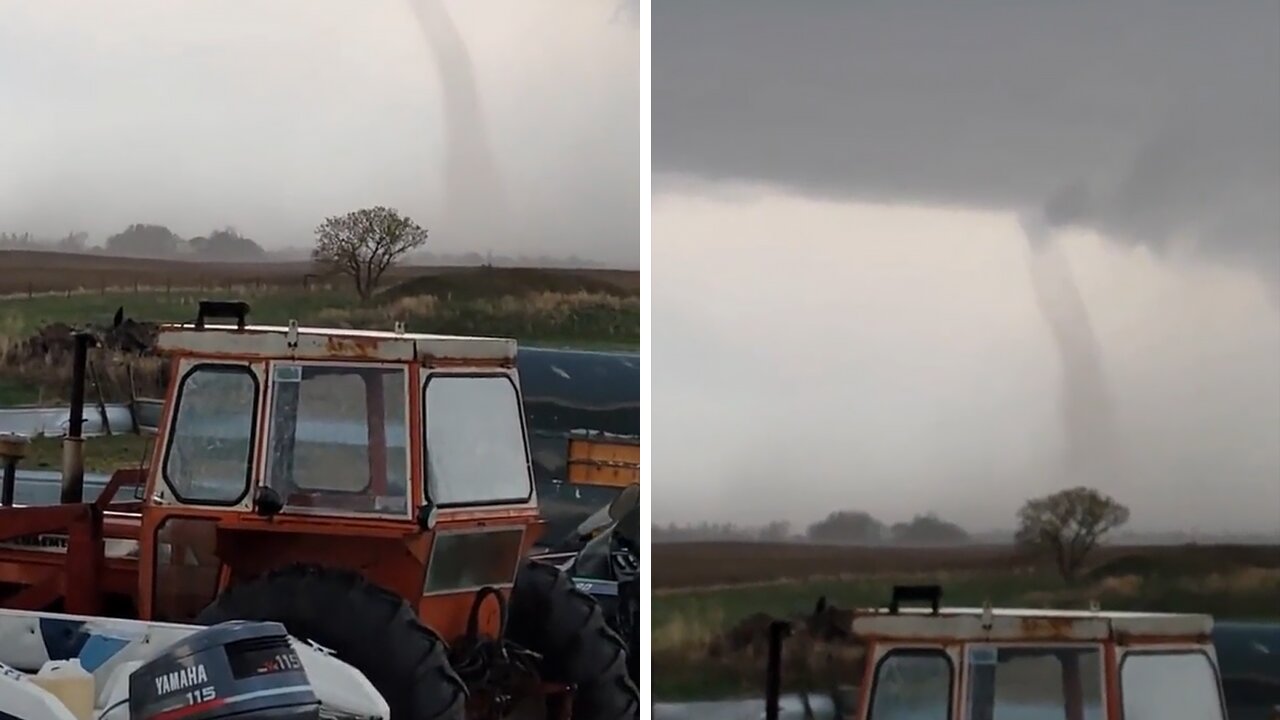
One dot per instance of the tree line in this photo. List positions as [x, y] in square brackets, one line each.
[843, 527]
[149, 241]
[1063, 528]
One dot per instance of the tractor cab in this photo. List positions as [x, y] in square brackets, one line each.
[935, 663]
[400, 455]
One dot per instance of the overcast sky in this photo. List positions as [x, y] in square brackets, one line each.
[843, 313]
[271, 115]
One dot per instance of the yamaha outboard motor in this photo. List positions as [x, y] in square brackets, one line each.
[237, 670]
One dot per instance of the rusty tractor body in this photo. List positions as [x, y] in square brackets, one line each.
[324, 478]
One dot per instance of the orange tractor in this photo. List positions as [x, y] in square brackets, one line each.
[369, 490]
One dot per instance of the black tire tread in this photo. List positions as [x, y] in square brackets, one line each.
[550, 616]
[368, 627]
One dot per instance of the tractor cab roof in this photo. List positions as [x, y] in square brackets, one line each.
[293, 342]
[1021, 624]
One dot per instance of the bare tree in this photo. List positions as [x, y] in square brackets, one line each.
[1068, 525]
[364, 243]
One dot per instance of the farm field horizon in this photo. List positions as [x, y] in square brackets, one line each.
[44, 294]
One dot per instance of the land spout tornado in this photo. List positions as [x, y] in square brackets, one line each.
[1088, 416]
[476, 209]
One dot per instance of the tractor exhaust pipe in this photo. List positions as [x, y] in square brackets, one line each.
[73, 443]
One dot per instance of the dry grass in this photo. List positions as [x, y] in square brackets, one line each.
[686, 634]
[109, 380]
[602, 317]
[1242, 580]
[1120, 585]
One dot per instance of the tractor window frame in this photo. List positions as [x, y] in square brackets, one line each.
[518, 399]
[402, 374]
[172, 425]
[931, 652]
[1178, 651]
[1094, 650]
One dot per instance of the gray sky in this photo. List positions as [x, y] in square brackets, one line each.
[1164, 112]
[270, 116]
[842, 310]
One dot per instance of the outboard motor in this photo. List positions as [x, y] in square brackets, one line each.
[233, 670]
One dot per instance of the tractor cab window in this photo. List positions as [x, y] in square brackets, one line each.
[338, 439]
[475, 442]
[1169, 686]
[1035, 683]
[912, 685]
[210, 446]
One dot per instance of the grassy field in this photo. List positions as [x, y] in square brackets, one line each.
[101, 454]
[41, 273]
[590, 309]
[702, 589]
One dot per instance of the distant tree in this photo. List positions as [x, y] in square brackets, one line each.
[16, 240]
[928, 529]
[776, 531]
[364, 243]
[73, 242]
[226, 245]
[144, 241]
[847, 527]
[1068, 525]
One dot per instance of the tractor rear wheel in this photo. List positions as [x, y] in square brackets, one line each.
[367, 627]
[551, 617]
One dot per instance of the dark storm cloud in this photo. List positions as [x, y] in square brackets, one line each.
[1149, 121]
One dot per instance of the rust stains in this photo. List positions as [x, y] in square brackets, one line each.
[352, 346]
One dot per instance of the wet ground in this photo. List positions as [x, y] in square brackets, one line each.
[789, 708]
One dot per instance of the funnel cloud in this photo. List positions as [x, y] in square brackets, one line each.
[1088, 416]
[475, 200]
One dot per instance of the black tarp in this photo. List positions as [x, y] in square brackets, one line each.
[568, 390]
[1249, 660]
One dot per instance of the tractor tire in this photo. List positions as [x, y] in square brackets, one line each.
[366, 626]
[551, 617]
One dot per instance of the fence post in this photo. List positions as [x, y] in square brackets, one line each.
[133, 399]
[778, 630]
[102, 400]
